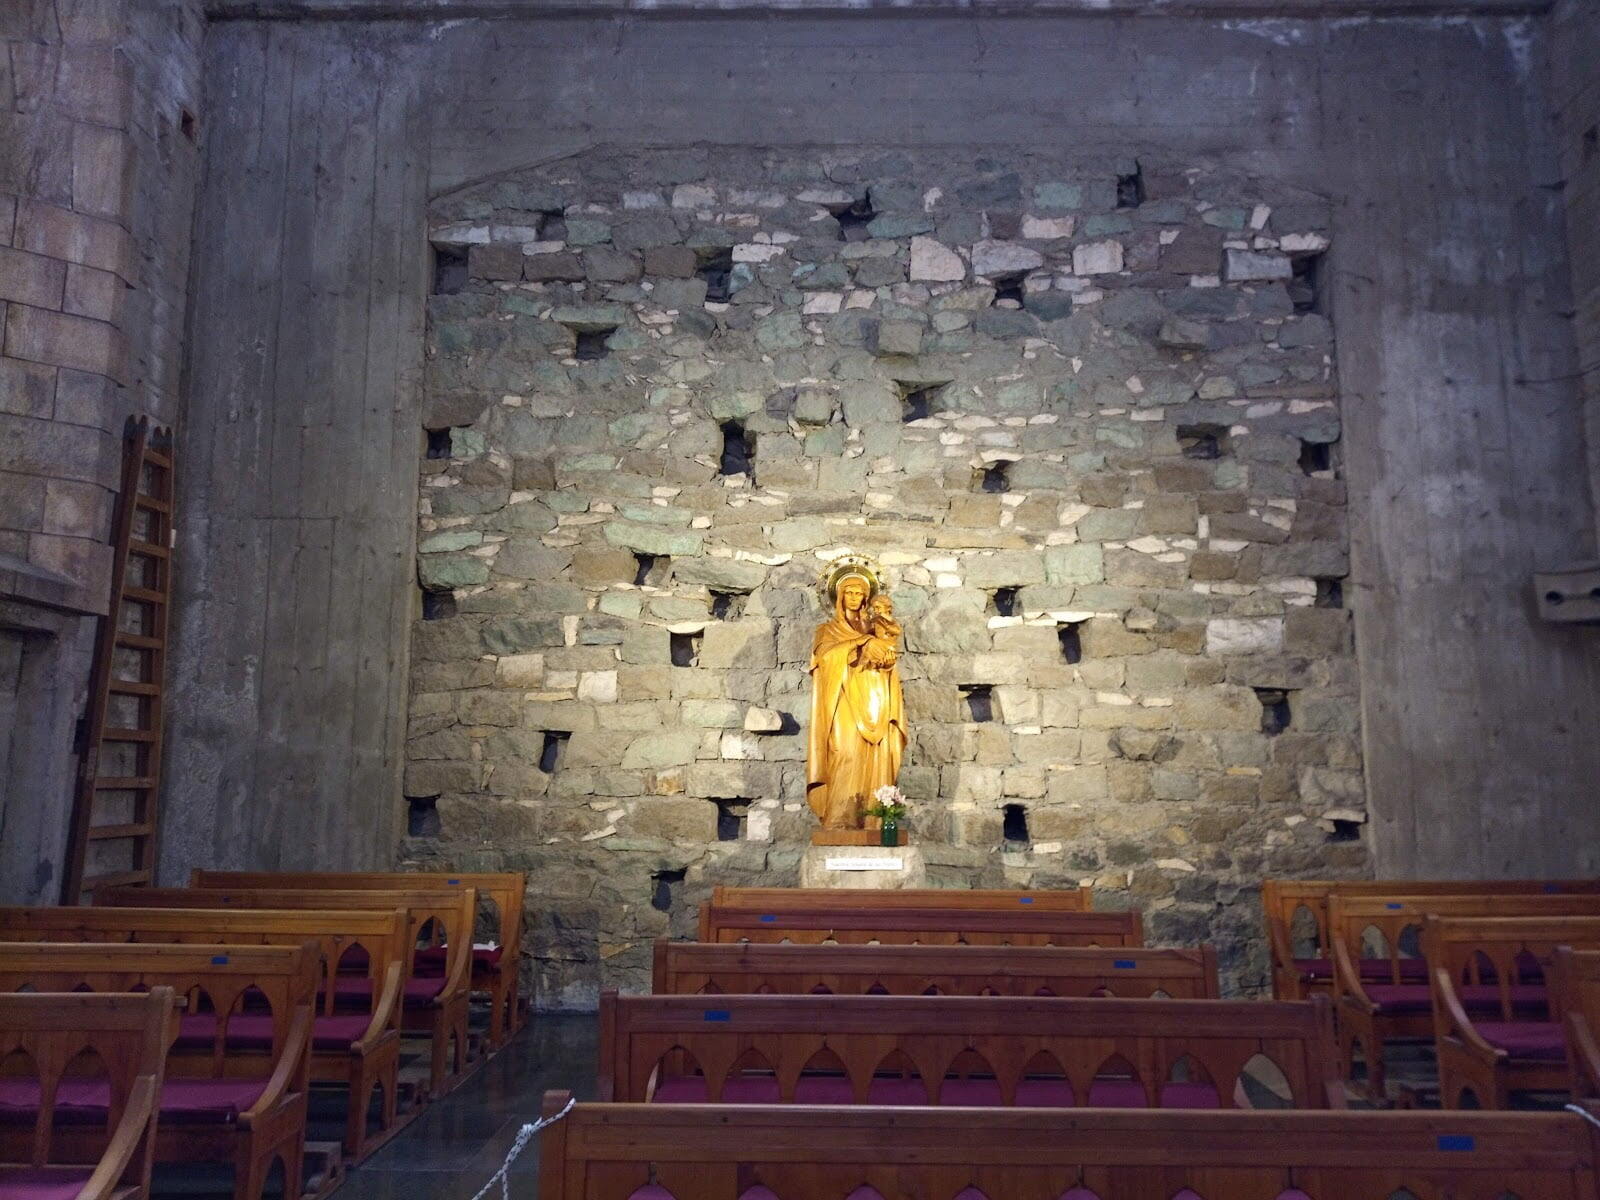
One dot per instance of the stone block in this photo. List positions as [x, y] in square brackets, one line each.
[516, 635]
[867, 403]
[444, 572]
[669, 748]
[1004, 568]
[747, 644]
[733, 780]
[31, 278]
[653, 539]
[63, 340]
[671, 818]
[898, 338]
[670, 262]
[934, 262]
[1244, 635]
[502, 262]
[1097, 258]
[1073, 564]
[991, 258]
[720, 574]
[1248, 265]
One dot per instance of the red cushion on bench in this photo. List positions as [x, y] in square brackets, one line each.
[43, 1183]
[1394, 998]
[1538, 1040]
[420, 991]
[253, 1031]
[1412, 970]
[485, 959]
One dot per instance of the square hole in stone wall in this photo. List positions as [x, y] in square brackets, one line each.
[1275, 713]
[553, 748]
[685, 649]
[438, 606]
[591, 344]
[438, 445]
[1316, 458]
[1071, 641]
[979, 699]
[853, 219]
[449, 270]
[1130, 188]
[716, 268]
[994, 478]
[1202, 441]
[1307, 286]
[731, 819]
[1003, 601]
[1330, 591]
[552, 225]
[736, 450]
[664, 888]
[422, 817]
[1008, 289]
[1014, 823]
[651, 570]
[918, 403]
[727, 606]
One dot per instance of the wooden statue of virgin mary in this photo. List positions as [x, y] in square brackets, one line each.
[857, 735]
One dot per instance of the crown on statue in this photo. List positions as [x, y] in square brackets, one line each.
[845, 566]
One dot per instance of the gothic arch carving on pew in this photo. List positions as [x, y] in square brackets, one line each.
[1187, 1073]
[899, 1078]
[822, 1075]
[673, 1064]
[1261, 1082]
[1112, 1074]
[971, 1079]
[751, 1072]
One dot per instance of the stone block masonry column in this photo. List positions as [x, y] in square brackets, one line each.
[96, 183]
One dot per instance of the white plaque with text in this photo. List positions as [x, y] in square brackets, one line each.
[864, 864]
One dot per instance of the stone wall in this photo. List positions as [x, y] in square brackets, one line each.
[1083, 413]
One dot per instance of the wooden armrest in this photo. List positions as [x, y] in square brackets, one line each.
[290, 1069]
[1278, 946]
[1347, 979]
[125, 1142]
[383, 1011]
[1450, 1016]
[457, 982]
[1585, 1055]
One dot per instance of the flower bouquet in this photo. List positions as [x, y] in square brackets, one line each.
[889, 806]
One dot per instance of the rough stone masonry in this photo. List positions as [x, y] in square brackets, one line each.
[1082, 411]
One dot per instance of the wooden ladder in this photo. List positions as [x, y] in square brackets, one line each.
[114, 825]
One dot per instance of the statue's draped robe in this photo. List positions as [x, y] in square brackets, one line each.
[858, 728]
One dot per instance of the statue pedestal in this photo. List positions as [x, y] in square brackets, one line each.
[853, 837]
[863, 867]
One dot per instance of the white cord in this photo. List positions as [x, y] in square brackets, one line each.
[524, 1136]
[1584, 1113]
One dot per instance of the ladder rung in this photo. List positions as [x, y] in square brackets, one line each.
[116, 879]
[124, 783]
[101, 833]
[135, 546]
[153, 504]
[127, 735]
[156, 457]
[124, 687]
[138, 641]
[144, 595]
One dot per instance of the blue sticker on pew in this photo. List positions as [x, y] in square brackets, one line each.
[1457, 1141]
[768, 917]
[1024, 899]
[1392, 904]
[1124, 964]
[717, 1014]
[1552, 887]
[219, 960]
[452, 882]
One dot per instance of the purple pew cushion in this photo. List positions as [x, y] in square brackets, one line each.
[1412, 970]
[49, 1183]
[253, 1031]
[85, 1101]
[1400, 998]
[1538, 1040]
[419, 992]
[973, 1093]
[485, 960]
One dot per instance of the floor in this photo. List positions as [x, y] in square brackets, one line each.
[455, 1145]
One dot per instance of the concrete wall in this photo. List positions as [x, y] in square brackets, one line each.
[96, 191]
[1430, 135]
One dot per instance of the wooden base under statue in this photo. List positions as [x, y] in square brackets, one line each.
[852, 837]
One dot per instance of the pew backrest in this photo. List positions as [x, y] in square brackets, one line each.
[858, 922]
[376, 939]
[506, 889]
[430, 914]
[775, 900]
[610, 1151]
[1506, 953]
[1283, 899]
[687, 968]
[1352, 918]
[1577, 984]
[1000, 1039]
[46, 1038]
[216, 981]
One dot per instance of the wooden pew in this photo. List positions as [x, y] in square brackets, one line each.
[857, 922]
[436, 1005]
[496, 970]
[746, 1152]
[1051, 1052]
[235, 1088]
[1295, 976]
[1497, 1020]
[1368, 1011]
[1577, 984]
[42, 1039]
[354, 1042]
[685, 968]
[727, 900]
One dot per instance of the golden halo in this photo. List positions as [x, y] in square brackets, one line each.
[858, 565]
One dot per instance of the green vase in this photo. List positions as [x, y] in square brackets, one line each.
[890, 833]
